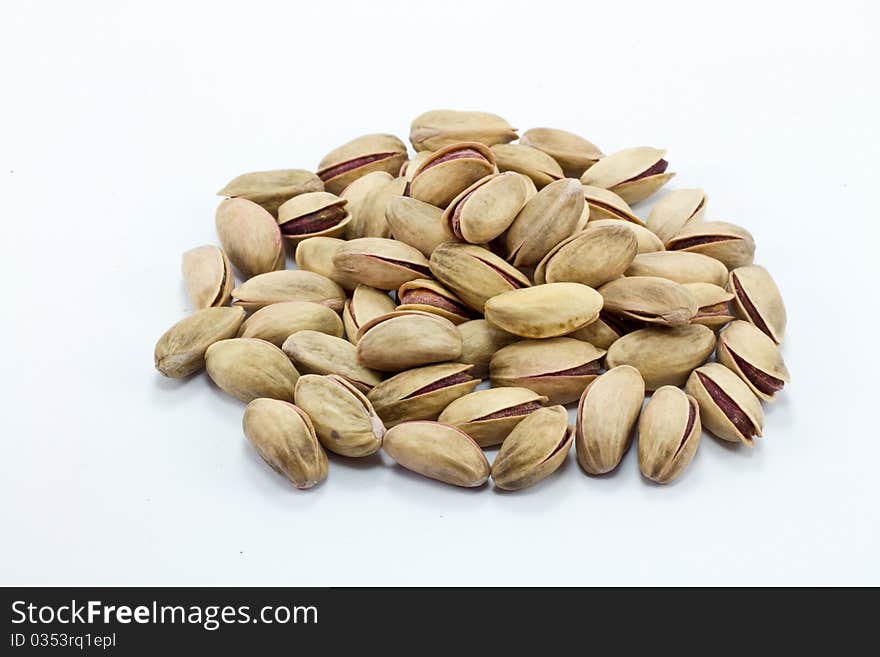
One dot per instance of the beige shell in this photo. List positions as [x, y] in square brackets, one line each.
[208, 276]
[418, 224]
[438, 451]
[591, 257]
[730, 244]
[528, 161]
[602, 333]
[270, 189]
[728, 408]
[605, 205]
[359, 195]
[247, 368]
[358, 157]
[632, 173]
[366, 304]
[382, 263]
[647, 241]
[312, 215]
[754, 357]
[757, 300]
[405, 339]
[409, 168]
[438, 128]
[675, 211]
[544, 311]
[288, 285]
[486, 209]
[649, 299]
[534, 450]
[429, 296]
[713, 304]
[313, 352]
[679, 266]
[181, 349]
[669, 434]
[315, 254]
[488, 416]
[274, 323]
[250, 237]
[371, 221]
[573, 153]
[480, 340]
[449, 171]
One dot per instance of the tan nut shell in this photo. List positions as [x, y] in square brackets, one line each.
[600, 333]
[359, 195]
[486, 209]
[713, 305]
[438, 451]
[591, 257]
[480, 340]
[647, 241]
[270, 189]
[711, 415]
[617, 170]
[381, 263]
[274, 323]
[675, 211]
[313, 202]
[573, 153]
[534, 449]
[439, 179]
[544, 311]
[318, 353]
[208, 276]
[409, 169]
[679, 266]
[744, 348]
[315, 254]
[669, 434]
[371, 221]
[366, 304]
[181, 349]
[436, 299]
[390, 146]
[728, 243]
[474, 412]
[528, 161]
[288, 285]
[405, 339]
[649, 299]
[250, 237]
[606, 205]
[418, 224]
[438, 128]
[247, 368]
[757, 300]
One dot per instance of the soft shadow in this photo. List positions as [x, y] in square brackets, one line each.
[370, 462]
[421, 480]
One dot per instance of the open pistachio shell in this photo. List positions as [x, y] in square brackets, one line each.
[728, 408]
[713, 304]
[669, 434]
[315, 254]
[591, 257]
[449, 171]
[181, 349]
[647, 241]
[438, 128]
[247, 368]
[371, 221]
[288, 285]
[754, 357]
[418, 224]
[480, 340]
[528, 161]
[544, 311]
[484, 210]
[602, 333]
[488, 416]
[757, 300]
[429, 296]
[270, 189]
[358, 157]
[274, 323]
[208, 276]
[679, 266]
[649, 299]
[366, 304]
[438, 451]
[675, 211]
[632, 173]
[405, 339]
[313, 214]
[313, 352]
[728, 243]
[358, 194]
[381, 263]
[250, 237]
[605, 204]
[535, 449]
[573, 153]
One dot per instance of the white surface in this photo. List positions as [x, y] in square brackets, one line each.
[120, 120]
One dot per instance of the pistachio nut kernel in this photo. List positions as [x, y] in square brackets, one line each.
[728, 408]
[247, 368]
[437, 451]
[754, 357]
[602, 333]
[288, 285]
[429, 296]
[528, 161]
[679, 266]
[534, 450]
[647, 241]
[270, 189]
[181, 349]
[313, 214]
[366, 304]
[558, 368]
[382, 263]
[405, 339]
[274, 323]
[284, 437]
[315, 254]
[359, 195]
[208, 276]
[606, 416]
[757, 300]
[713, 305]
[488, 416]
[605, 205]
[573, 153]
[544, 311]
[358, 157]
[419, 224]
[591, 257]
[663, 356]
[728, 243]
[649, 299]
[483, 211]
[479, 341]
[632, 173]
[344, 419]
[249, 236]
[313, 352]
[669, 434]
[676, 210]
[433, 130]
[371, 221]
[449, 171]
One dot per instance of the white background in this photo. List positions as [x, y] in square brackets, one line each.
[119, 122]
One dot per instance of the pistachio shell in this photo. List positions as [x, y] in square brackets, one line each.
[488, 416]
[675, 211]
[757, 300]
[208, 276]
[528, 161]
[359, 195]
[381, 263]
[533, 450]
[754, 357]
[288, 285]
[647, 241]
[483, 211]
[679, 266]
[371, 220]
[250, 237]
[728, 408]
[448, 171]
[247, 368]
[649, 299]
[408, 170]
[270, 189]
[591, 257]
[311, 215]
[429, 296]
[605, 204]
[406, 339]
[632, 173]
[602, 333]
[313, 352]
[544, 311]
[729, 243]
[366, 304]
[669, 434]
[181, 349]
[438, 128]
[713, 307]
[573, 153]
[438, 451]
[274, 323]
[358, 157]
[479, 341]
[418, 224]
[315, 254]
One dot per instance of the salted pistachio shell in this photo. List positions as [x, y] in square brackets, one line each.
[480, 340]
[713, 304]
[591, 257]
[728, 243]
[602, 333]
[344, 419]
[649, 299]
[313, 214]
[419, 224]
[208, 276]
[544, 311]
[421, 393]
[676, 210]
[313, 352]
[558, 368]
[270, 189]
[449, 171]
[647, 241]
[429, 296]
[679, 266]
[370, 220]
[358, 157]
[535, 449]
[274, 323]
[288, 285]
[606, 416]
[528, 161]
[483, 211]
[632, 173]
[669, 434]
[573, 153]
[438, 128]
[438, 451]
[359, 195]
[754, 357]
[382, 263]
[604, 204]
[728, 408]
[757, 300]
[405, 339]
[488, 416]
[247, 368]
[315, 254]
[552, 215]
[663, 356]
[181, 349]
[475, 274]
[250, 237]
[366, 304]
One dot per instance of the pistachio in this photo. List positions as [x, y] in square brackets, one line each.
[728, 243]
[679, 266]
[632, 173]
[359, 195]
[270, 189]
[558, 368]
[429, 296]
[713, 307]
[591, 257]
[247, 368]
[606, 415]
[438, 451]
[757, 300]
[274, 323]
[449, 171]
[313, 214]
[488, 416]
[345, 421]
[605, 205]
[676, 210]
[370, 221]
[358, 157]
[602, 333]
[483, 211]
[419, 224]
[284, 437]
[573, 153]
[438, 128]
[754, 357]
[479, 341]
[366, 304]
[669, 434]
[663, 356]
[288, 285]
[408, 170]
[535, 449]
[250, 237]
[313, 352]
[728, 408]
[647, 241]
[315, 254]
[208, 276]
[649, 299]
[405, 339]
[528, 161]
[181, 349]
[544, 311]
[381, 263]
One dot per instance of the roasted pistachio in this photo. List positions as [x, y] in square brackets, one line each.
[313, 214]
[602, 333]
[366, 304]
[675, 211]
[288, 285]
[573, 153]
[649, 299]
[313, 352]
[544, 311]
[345, 164]
[429, 296]
[438, 451]
[405, 339]
[591, 257]
[247, 368]
[315, 254]
[728, 408]
[270, 189]
[669, 434]
[534, 450]
[746, 350]
[275, 322]
[409, 168]
[208, 276]
[181, 349]
[449, 171]
[418, 224]
[632, 173]
[713, 304]
[647, 241]
[359, 195]
[757, 300]
[488, 416]
[370, 220]
[438, 128]
[480, 340]
[605, 204]
[528, 161]
[381, 263]
[486, 209]
[250, 237]
[679, 266]
[728, 243]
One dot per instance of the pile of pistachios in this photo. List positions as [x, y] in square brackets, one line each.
[420, 274]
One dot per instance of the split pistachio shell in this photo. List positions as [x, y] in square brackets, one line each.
[632, 173]
[359, 195]
[274, 323]
[438, 128]
[606, 417]
[573, 153]
[544, 311]
[528, 161]
[713, 304]
[409, 168]
[480, 340]
[181, 349]
[679, 266]
[535, 449]
[647, 241]
[676, 210]
[449, 171]
[486, 209]
[270, 189]
[438, 451]
[381, 263]
[371, 221]
[288, 285]
[663, 356]
[344, 419]
[558, 368]
[591, 257]
[605, 204]
[313, 214]
[728, 243]
[488, 416]
[247, 368]
[208, 276]
[728, 408]
[405, 339]
[669, 434]
[313, 352]
[429, 296]
[754, 357]
[284, 437]
[602, 333]
[345, 164]
[649, 299]
[366, 303]
[757, 300]
[315, 254]
[418, 224]
[250, 237]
